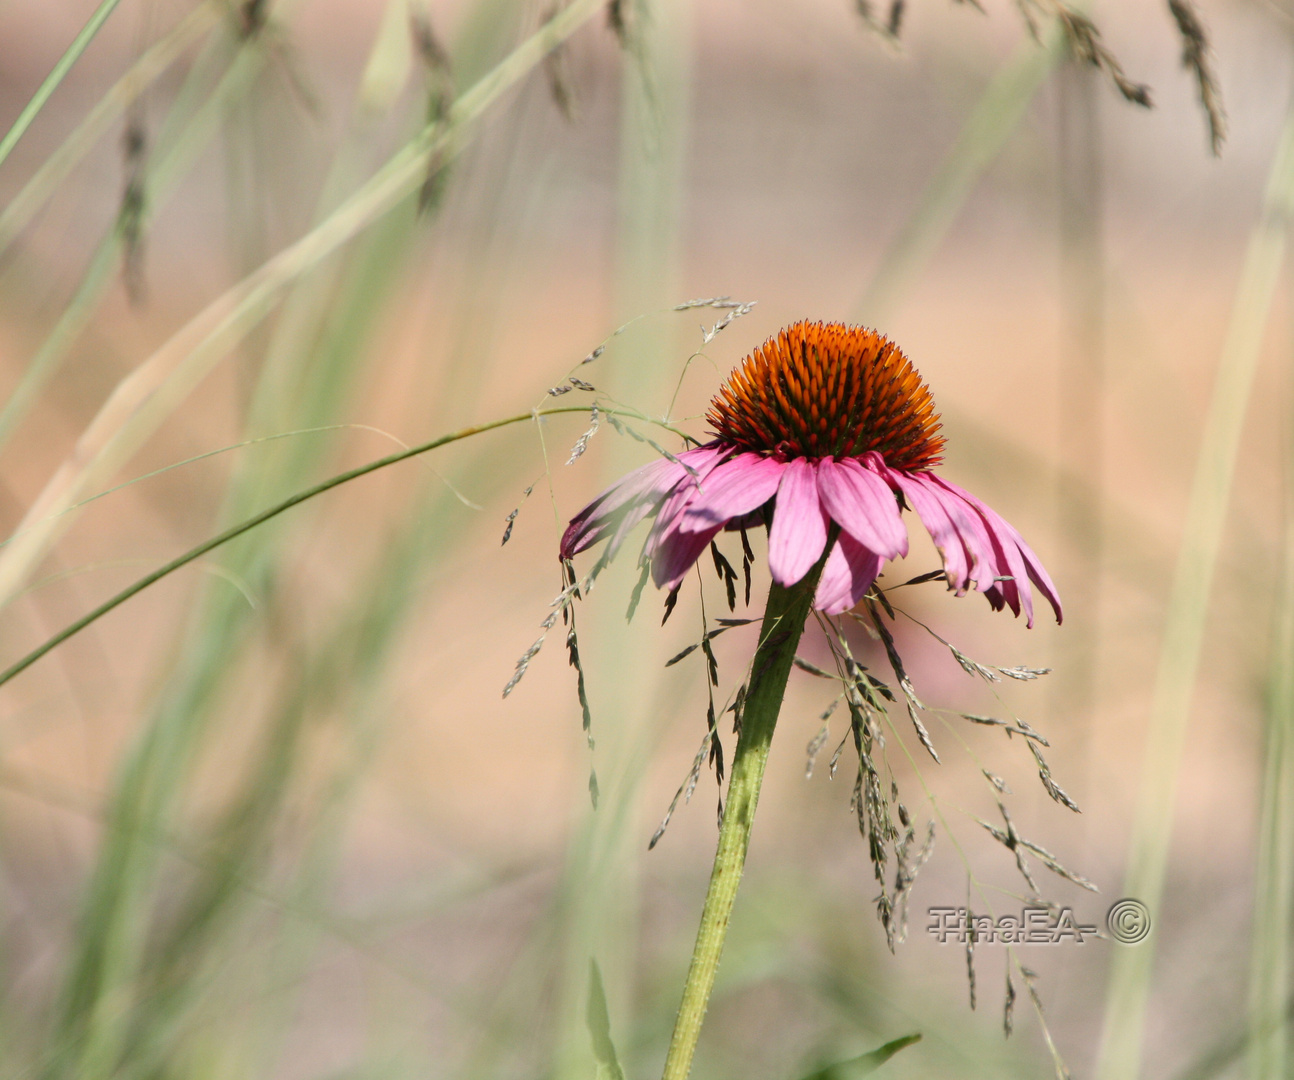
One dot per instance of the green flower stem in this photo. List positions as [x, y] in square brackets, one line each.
[784, 617]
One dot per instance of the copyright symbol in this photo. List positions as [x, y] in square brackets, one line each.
[1128, 921]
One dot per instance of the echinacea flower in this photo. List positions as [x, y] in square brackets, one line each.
[823, 424]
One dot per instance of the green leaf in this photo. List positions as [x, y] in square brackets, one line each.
[867, 1064]
[599, 1020]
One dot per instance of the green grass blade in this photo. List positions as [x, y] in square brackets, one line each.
[601, 897]
[72, 321]
[189, 127]
[866, 1064]
[1269, 964]
[1206, 513]
[55, 77]
[243, 527]
[599, 1022]
[24, 206]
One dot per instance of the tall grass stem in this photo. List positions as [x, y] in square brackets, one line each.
[995, 116]
[146, 397]
[1269, 964]
[20, 210]
[55, 77]
[1206, 515]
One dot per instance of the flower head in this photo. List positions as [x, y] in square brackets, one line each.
[823, 424]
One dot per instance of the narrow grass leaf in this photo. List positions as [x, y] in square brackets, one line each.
[56, 76]
[599, 1021]
[146, 397]
[1130, 971]
[865, 1064]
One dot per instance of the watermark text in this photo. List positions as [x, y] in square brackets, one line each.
[1033, 926]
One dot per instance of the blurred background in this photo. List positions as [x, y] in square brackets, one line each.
[272, 817]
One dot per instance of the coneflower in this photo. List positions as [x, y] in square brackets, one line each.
[824, 435]
[823, 424]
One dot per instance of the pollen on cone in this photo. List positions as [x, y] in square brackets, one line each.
[829, 390]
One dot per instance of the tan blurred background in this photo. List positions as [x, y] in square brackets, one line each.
[1069, 322]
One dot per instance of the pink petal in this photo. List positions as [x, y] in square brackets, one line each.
[977, 540]
[1006, 561]
[1019, 556]
[633, 496]
[799, 531]
[687, 489]
[848, 574]
[738, 486]
[943, 532]
[863, 505]
[705, 457]
[675, 554]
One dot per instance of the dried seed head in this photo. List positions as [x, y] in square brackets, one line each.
[819, 389]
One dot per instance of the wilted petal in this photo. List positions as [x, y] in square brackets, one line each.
[799, 531]
[863, 505]
[1021, 561]
[848, 574]
[738, 486]
[978, 541]
[948, 541]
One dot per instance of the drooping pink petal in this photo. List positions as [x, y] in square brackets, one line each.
[948, 541]
[633, 496]
[676, 552]
[863, 505]
[1014, 581]
[846, 577]
[977, 541]
[738, 486]
[687, 489]
[1008, 574]
[1020, 556]
[799, 530]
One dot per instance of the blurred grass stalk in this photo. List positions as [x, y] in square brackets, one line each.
[126, 998]
[1081, 387]
[191, 124]
[1269, 964]
[602, 880]
[51, 82]
[156, 61]
[151, 393]
[996, 115]
[1206, 518]
[132, 985]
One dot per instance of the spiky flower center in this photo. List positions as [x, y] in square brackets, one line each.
[827, 389]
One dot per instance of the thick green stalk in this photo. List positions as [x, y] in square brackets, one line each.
[784, 617]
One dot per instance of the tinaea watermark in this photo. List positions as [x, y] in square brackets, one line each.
[1127, 921]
